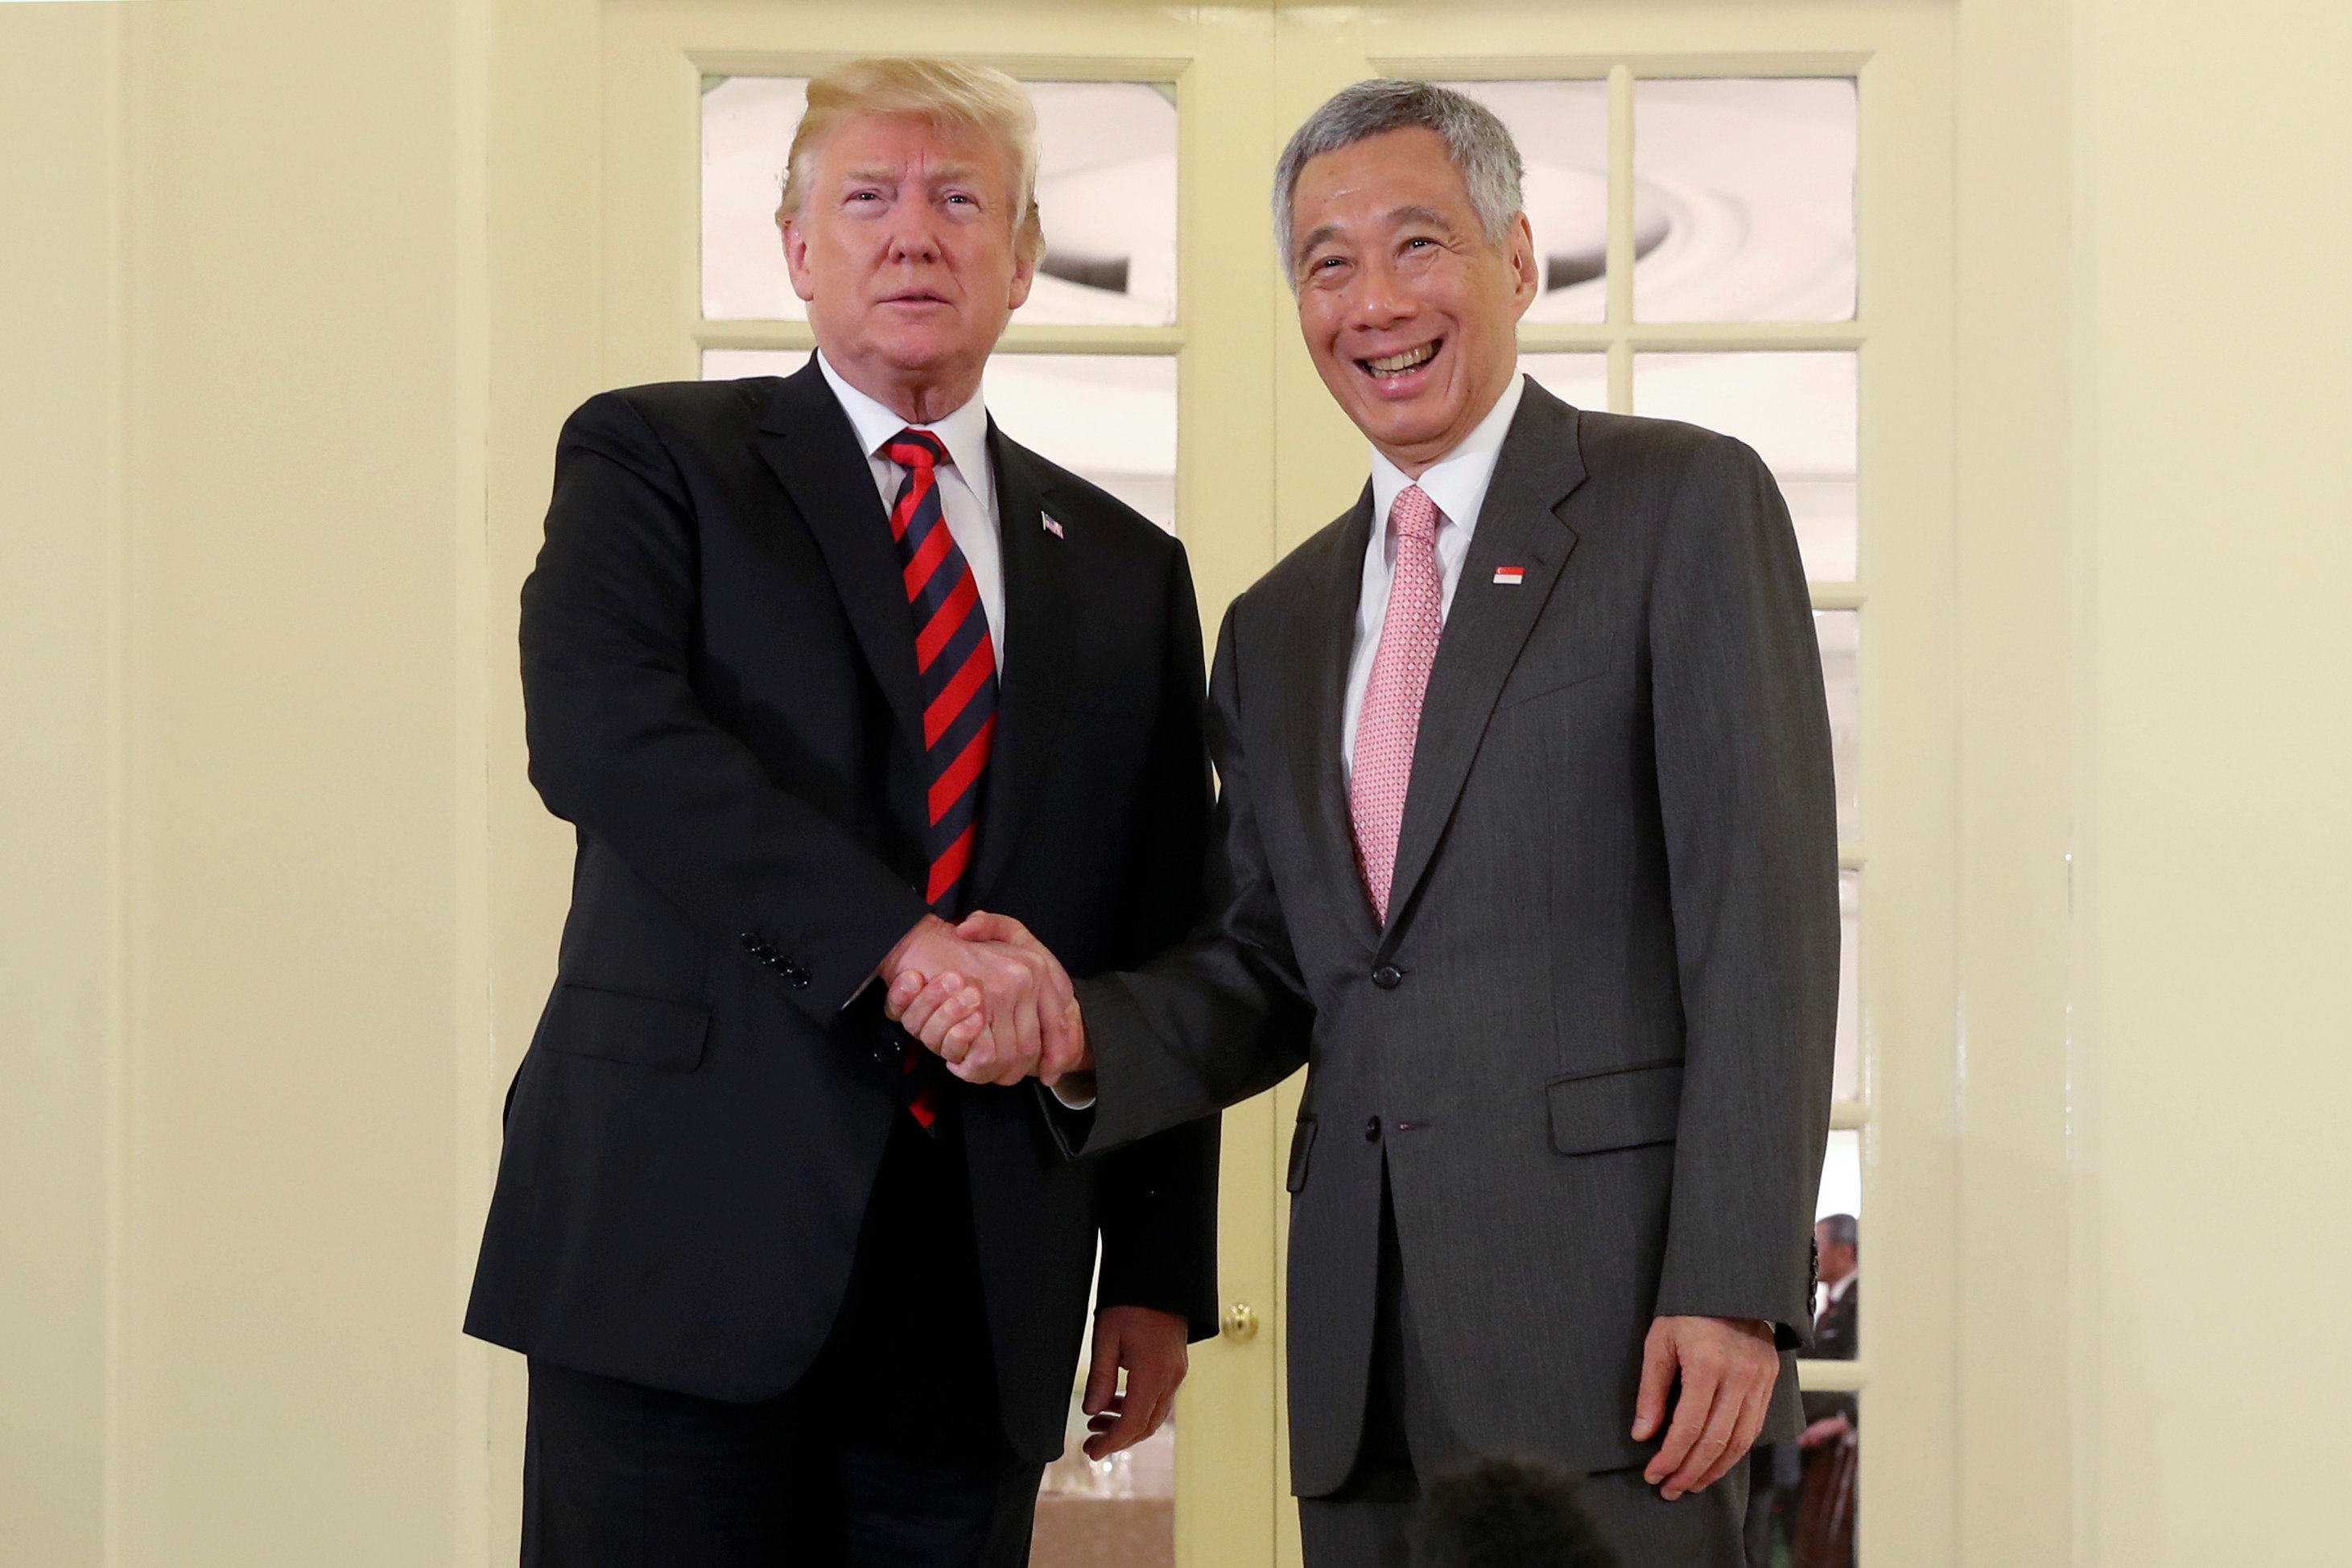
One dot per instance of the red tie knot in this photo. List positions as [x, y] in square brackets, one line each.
[915, 450]
[1413, 515]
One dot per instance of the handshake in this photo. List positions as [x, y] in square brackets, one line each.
[988, 1000]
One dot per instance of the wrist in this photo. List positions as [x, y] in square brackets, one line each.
[896, 959]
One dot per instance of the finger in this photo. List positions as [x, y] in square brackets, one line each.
[956, 1045]
[903, 990]
[914, 1014]
[1706, 1456]
[1102, 1376]
[1752, 1411]
[1657, 1379]
[1691, 1408]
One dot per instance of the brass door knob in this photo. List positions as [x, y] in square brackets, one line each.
[1241, 1322]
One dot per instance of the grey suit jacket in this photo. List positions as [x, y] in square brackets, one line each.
[1591, 1046]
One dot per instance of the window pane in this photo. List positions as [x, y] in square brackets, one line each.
[1563, 131]
[1749, 185]
[1801, 1495]
[1840, 632]
[1846, 1075]
[1799, 410]
[1110, 418]
[1582, 380]
[1105, 189]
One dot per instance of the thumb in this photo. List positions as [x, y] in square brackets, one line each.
[982, 926]
[1102, 1377]
[1657, 1378]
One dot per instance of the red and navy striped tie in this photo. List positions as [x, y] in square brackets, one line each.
[958, 661]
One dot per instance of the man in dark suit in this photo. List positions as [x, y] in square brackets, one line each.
[812, 664]
[1527, 849]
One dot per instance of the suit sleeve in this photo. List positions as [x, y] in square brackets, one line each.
[1224, 1014]
[1159, 1195]
[1748, 806]
[622, 747]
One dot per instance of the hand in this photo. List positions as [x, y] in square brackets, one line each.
[994, 988]
[1150, 1345]
[1828, 1429]
[1728, 1366]
[949, 1014]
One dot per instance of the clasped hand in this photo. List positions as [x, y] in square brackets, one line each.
[988, 999]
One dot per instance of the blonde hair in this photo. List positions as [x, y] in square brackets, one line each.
[948, 95]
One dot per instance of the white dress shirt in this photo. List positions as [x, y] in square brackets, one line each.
[967, 488]
[1457, 482]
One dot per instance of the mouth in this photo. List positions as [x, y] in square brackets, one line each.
[1395, 367]
[915, 297]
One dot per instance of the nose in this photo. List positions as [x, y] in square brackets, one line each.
[1378, 298]
[913, 240]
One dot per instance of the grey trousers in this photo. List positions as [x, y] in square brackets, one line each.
[1364, 1524]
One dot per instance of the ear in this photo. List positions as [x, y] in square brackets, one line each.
[793, 231]
[1026, 254]
[1527, 275]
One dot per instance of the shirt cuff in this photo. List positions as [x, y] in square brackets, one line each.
[1075, 1090]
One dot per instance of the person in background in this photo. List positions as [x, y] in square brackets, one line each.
[815, 666]
[1505, 1511]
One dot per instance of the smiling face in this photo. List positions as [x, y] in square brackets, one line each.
[1409, 312]
[905, 248]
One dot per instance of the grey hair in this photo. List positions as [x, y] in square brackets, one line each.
[1474, 139]
[1842, 1231]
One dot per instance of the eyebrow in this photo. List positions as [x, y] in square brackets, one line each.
[1396, 215]
[946, 175]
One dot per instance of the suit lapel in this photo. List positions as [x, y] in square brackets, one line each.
[1488, 624]
[811, 445]
[1321, 638]
[1039, 608]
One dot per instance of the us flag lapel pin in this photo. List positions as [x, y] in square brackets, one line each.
[1051, 526]
[1510, 576]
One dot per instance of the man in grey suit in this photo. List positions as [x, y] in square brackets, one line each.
[1528, 851]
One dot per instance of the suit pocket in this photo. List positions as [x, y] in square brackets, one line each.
[1302, 1141]
[582, 1021]
[1620, 1108]
[1534, 687]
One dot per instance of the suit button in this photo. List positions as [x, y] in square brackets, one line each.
[796, 977]
[1372, 1131]
[1388, 977]
[749, 942]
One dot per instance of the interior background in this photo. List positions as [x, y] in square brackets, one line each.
[256, 708]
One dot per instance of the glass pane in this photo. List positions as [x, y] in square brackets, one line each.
[1110, 419]
[1840, 632]
[1846, 1075]
[1106, 188]
[1799, 410]
[1749, 185]
[1580, 380]
[1562, 130]
[1801, 1495]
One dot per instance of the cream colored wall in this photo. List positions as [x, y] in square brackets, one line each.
[59, 321]
[2213, 429]
[303, 822]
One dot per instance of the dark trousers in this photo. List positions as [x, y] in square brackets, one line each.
[889, 1453]
[1407, 1436]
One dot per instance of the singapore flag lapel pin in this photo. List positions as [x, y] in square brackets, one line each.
[1510, 576]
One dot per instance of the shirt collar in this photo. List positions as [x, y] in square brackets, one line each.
[963, 432]
[1457, 482]
[1837, 1292]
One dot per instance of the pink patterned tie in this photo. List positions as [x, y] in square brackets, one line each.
[1391, 715]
